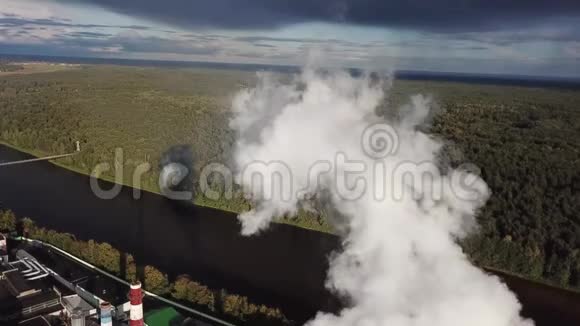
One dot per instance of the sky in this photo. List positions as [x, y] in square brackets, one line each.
[524, 37]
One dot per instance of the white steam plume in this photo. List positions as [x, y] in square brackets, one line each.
[401, 264]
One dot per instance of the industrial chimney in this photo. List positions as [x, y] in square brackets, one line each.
[106, 319]
[136, 298]
[77, 317]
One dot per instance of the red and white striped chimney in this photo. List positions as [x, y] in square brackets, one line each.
[136, 298]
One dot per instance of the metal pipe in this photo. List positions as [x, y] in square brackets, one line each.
[37, 277]
[35, 272]
[39, 269]
[45, 273]
[25, 263]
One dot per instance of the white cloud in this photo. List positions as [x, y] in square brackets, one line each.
[29, 9]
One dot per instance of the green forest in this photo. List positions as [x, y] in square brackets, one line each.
[525, 140]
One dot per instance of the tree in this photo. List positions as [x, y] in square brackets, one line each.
[131, 268]
[28, 226]
[7, 221]
[108, 257]
[155, 281]
[185, 289]
[200, 294]
[179, 290]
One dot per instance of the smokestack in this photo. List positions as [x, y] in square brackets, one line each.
[106, 319]
[77, 317]
[136, 298]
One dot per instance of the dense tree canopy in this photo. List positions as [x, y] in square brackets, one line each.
[526, 141]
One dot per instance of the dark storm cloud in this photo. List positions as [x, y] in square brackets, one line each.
[438, 15]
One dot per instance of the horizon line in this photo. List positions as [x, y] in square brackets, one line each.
[409, 73]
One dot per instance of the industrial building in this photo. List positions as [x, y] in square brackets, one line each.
[24, 292]
[33, 294]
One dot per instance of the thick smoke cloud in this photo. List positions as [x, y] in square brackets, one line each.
[400, 264]
[437, 15]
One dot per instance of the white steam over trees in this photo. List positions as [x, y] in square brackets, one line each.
[400, 263]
